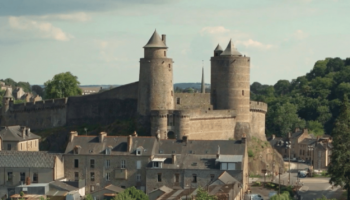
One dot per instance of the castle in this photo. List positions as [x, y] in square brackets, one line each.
[226, 112]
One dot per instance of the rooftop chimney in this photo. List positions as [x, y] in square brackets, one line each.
[173, 158]
[218, 153]
[164, 38]
[184, 138]
[129, 141]
[134, 134]
[23, 132]
[28, 132]
[27, 180]
[102, 136]
[72, 135]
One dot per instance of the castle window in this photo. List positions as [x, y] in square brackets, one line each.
[242, 92]
[164, 53]
[169, 66]
[178, 101]
[172, 93]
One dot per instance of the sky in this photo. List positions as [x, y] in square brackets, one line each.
[101, 42]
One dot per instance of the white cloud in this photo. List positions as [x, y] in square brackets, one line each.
[41, 29]
[254, 44]
[214, 30]
[79, 16]
[299, 34]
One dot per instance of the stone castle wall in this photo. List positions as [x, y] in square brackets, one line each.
[184, 101]
[257, 119]
[102, 108]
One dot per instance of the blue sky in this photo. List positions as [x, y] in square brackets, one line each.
[101, 41]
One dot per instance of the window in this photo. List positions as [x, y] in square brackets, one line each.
[164, 53]
[223, 166]
[139, 151]
[231, 166]
[92, 188]
[159, 177]
[92, 163]
[242, 92]
[108, 163]
[138, 177]
[108, 151]
[8, 146]
[23, 176]
[35, 178]
[9, 176]
[172, 93]
[76, 176]
[108, 175]
[177, 177]
[212, 176]
[92, 176]
[178, 101]
[169, 66]
[123, 186]
[138, 164]
[194, 178]
[155, 164]
[123, 165]
[76, 163]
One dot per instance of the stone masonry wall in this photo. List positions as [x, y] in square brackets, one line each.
[184, 101]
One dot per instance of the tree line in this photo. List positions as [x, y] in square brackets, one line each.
[311, 101]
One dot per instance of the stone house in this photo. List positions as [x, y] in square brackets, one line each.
[318, 155]
[18, 138]
[150, 162]
[18, 93]
[28, 167]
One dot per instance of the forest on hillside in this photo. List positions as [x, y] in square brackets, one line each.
[310, 101]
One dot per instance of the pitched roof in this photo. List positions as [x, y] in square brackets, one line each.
[14, 133]
[155, 41]
[63, 186]
[114, 188]
[27, 159]
[230, 50]
[218, 49]
[308, 141]
[226, 178]
[8, 93]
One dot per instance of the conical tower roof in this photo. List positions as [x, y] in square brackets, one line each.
[230, 50]
[155, 41]
[8, 93]
[218, 49]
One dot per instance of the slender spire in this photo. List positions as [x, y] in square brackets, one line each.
[230, 50]
[155, 41]
[203, 84]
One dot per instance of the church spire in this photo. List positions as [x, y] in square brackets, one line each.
[203, 84]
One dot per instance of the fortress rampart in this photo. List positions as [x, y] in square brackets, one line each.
[256, 106]
[185, 101]
[39, 105]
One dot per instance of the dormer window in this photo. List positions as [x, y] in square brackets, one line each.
[108, 150]
[139, 151]
[158, 162]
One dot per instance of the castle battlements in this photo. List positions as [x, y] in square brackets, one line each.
[39, 105]
[258, 106]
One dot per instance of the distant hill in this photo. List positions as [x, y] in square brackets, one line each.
[190, 85]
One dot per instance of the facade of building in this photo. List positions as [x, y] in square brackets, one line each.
[151, 162]
[26, 167]
[304, 146]
[18, 138]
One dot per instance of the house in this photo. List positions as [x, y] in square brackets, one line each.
[18, 138]
[32, 168]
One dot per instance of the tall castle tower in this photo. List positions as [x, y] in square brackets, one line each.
[230, 82]
[6, 100]
[156, 91]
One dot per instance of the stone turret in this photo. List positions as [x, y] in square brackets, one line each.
[218, 50]
[230, 82]
[156, 90]
[6, 100]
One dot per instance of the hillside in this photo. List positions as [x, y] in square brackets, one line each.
[310, 101]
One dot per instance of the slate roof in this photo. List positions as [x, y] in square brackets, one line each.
[275, 141]
[14, 133]
[114, 188]
[62, 186]
[27, 159]
[155, 42]
[308, 141]
[92, 145]
[224, 178]
[218, 49]
[230, 50]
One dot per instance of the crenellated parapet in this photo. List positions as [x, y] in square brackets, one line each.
[39, 105]
[258, 106]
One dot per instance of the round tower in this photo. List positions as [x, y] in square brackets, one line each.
[6, 100]
[156, 91]
[230, 79]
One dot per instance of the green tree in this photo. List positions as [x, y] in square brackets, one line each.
[315, 128]
[284, 196]
[37, 89]
[339, 167]
[324, 198]
[203, 195]
[136, 194]
[25, 86]
[88, 197]
[282, 87]
[62, 85]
